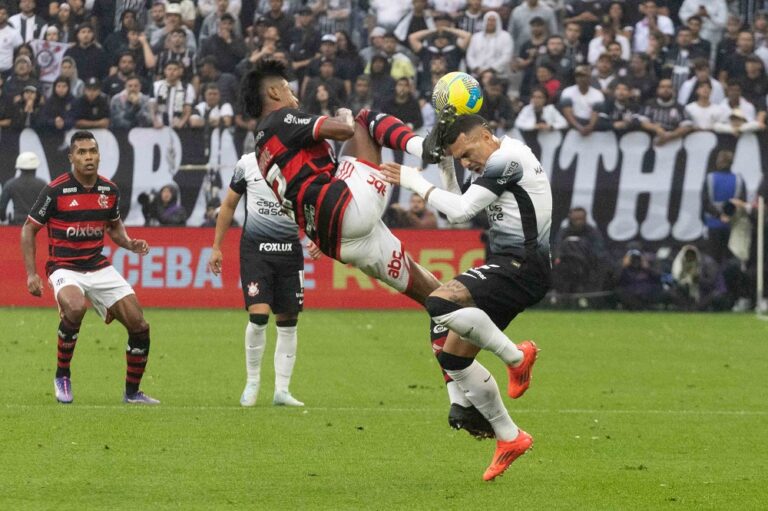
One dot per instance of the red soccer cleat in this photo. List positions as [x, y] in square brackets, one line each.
[520, 376]
[506, 453]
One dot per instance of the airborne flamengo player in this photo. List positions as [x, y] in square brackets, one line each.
[78, 208]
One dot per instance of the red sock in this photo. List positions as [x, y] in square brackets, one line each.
[66, 346]
[387, 130]
[136, 356]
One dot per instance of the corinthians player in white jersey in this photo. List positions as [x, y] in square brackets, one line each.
[271, 274]
[479, 304]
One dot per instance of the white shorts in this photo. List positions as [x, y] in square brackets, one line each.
[104, 287]
[366, 242]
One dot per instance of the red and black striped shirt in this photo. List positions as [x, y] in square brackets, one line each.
[300, 168]
[76, 218]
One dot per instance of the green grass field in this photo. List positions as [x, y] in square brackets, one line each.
[628, 411]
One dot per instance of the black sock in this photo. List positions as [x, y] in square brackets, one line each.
[136, 358]
[68, 332]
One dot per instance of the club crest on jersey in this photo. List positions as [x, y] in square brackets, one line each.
[103, 201]
[253, 289]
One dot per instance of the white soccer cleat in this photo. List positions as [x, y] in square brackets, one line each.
[250, 392]
[284, 398]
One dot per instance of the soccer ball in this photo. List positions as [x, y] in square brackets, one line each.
[460, 90]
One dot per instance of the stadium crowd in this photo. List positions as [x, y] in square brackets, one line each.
[666, 67]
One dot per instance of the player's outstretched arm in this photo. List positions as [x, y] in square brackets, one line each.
[223, 221]
[28, 235]
[341, 127]
[118, 234]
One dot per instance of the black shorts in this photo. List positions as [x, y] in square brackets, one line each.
[505, 286]
[272, 272]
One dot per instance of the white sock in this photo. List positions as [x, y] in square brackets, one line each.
[255, 341]
[476, 326]
[414, 146]
[456, 395]
[480, 388]
[285, 356]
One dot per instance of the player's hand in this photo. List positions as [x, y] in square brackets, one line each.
[140, 247]
[35, 285]
[214, 262]
[345, 114]
[314, 250]
[391, 172]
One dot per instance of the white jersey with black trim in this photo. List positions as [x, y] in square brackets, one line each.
[264, 215]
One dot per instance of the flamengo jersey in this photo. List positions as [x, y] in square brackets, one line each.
[300, 170]
[76, 219]
[521, 217]
[264, 216]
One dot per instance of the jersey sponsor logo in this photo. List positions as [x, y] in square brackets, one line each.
[509, 170]
[253, 289]
[395, 264]
[495, 213]
[74, 203]
[103, 201]
[258, 137]
[103, 188]
[275, 247]
[87, 231]
[43, 209]
[292, 119]
[71, 189]
[379, 185]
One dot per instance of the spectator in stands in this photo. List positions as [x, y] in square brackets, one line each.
[695, 277]
[529, 53]
[227, 83]
[90, 58]
[428, 78]
[333, 15]
[538, 115]
[490, 48]
[91, 110]
[520, 20]
[303, 40]
[713, 15]
[164, 209]
[575, 49]
[727, 44]
[22, 190]
[117, 40]
[639, 286]
[471, 18]
[375, 45]
[657, 52]
[389, 12]
[327, 78]
[720, 187]
[210, 25]
[178, 51]
[26, 111]
[400, 64]
[173, 99]
[6, 105]
[663, 117]
[212, 113]
[22, 77]
[404, 105]
[225, 45]
[754, 85]
[130, 108]
[29, 25]
[154, 28]
[742, 115]
[361, 96]
[448, 43]
[680, 57]
[126, 67]
[321, 102]
[557, 59]
[687, 92]
[417, 19]
[69, 71]
[382, 83]
[417, 216]
[579, 102]
[65, 23]
[172, 22]
[698, 45]
[206, 7]
[640, 78]
[143, 56]
[652, 22]
[57, 113]
[703, 113]
[599, 45]
[735, 64]
[618, 62]
[497, 108]
[80, 13]
[579, 255]
[545, 78]
[603, 75]
[586, 14]
[10, 39]
[616, 18]
[328, 53]
[348, 56]
[620, 111]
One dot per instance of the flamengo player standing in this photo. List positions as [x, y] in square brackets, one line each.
[271, 274]
[78, 207]
[477, 305]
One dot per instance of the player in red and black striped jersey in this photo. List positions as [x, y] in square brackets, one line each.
[339, 204]
[78, 208]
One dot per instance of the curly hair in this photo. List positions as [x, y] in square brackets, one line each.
[251, 87]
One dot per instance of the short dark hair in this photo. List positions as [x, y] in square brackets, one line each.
[465, 124]
[80, 135]
[252, 85]
[695, 17]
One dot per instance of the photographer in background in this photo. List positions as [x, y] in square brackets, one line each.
[163, 208]
[720, 187]
[639, 286]
[22, 190]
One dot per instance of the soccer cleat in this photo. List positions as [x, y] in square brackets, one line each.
[471, 420]
[139, 398]
[433, 146]
[284, 398]
[250, 392]
[506, 453]
[63, 388]
[520, 376]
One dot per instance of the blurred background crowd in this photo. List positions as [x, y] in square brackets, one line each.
[667, 67]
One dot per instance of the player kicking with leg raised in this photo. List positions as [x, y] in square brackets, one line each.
[339, 204]
[271, 274]
[478, 304]
[78, 207]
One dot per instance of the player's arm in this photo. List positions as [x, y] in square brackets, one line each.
[28, 235]
[223, 221]
[118, 234]
[341, 127]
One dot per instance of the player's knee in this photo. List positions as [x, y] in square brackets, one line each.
[438, 307]
[287, 322]
[74, 310]
[451, 362]
[258, 319]
[136, 325]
